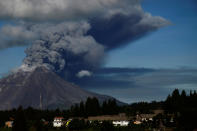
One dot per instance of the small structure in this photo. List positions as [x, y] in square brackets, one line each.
[146, 117]
[137, 122]
[120, 123]
[58, 122]
[9, 124]
[143, 118]
[44, 122]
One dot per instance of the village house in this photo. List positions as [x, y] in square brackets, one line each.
[120, 123]
[147, 117]
[58, 122]
[9, 123]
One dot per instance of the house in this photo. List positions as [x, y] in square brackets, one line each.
[58, 122]
[143, 117]
[147, 117]
[120, 123]
[9, 124]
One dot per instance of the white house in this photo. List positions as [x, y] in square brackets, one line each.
[58, 122]
[120, 123]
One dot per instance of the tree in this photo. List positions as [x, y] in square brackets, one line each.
[82, 109]
[77, 124]
[176, 100]
[109, 107]
[92, 107]
[20, 121]
[175, 94]
[107, 126]
[183, 94]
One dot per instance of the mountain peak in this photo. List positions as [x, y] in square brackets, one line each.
[41, 87]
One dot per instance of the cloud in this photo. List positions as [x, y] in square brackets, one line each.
[63, 46]
[11, 36]
[84, 73]
[68, 36]
[43, 10]
[113, 23]
[141, 77]
[139, 84]
[167, 77]
[121, 29]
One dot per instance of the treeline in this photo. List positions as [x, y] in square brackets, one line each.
[92, 108]
[142, 108]
[31, 118]
[184, 109]
[180, 106]
[180, 102]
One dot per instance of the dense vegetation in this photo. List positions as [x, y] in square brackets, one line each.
[93, 108]
[180, 106]
[184, 109]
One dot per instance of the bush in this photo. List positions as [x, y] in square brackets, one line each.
[77, 124]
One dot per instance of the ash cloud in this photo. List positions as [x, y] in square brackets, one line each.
[120, 29]
[69, 36]
[11, 36]
[64, 46]
[58, 10]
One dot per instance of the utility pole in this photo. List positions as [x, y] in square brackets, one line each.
[40, 101]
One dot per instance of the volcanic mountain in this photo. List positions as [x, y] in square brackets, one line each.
[41, 88]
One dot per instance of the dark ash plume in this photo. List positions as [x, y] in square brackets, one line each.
[64, 47]
[71, 37]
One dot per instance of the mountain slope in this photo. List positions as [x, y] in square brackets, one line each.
[41, 88]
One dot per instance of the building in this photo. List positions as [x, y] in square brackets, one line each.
[9, 124]
[147, 117]
[58, 122]
[120, 123]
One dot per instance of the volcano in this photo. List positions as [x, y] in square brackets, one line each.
[41, 89]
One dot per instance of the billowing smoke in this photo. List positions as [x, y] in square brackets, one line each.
[11, 36]
[71, 37]
[58, 10]
[121, 29]
[64, 47]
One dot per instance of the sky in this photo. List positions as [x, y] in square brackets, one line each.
[173, 46]
[146, 67]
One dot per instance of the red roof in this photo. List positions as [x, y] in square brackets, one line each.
[59, 118]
